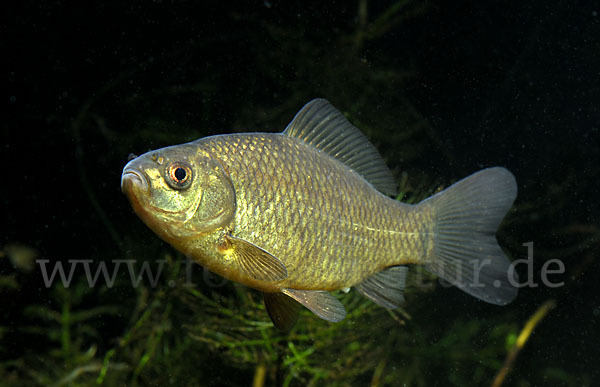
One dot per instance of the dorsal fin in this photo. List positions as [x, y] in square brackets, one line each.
[321, 125]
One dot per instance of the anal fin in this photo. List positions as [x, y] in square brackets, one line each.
[320, 303]
[385, 288]
[282, 309]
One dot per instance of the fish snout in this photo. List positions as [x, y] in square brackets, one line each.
[131, 178]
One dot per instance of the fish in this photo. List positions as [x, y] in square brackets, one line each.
[299, 214]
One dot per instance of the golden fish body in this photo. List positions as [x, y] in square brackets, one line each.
[300, 213]
[327, 224]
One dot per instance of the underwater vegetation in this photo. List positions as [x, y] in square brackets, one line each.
[175, 326]
[191, 318]
[136, 87]
[171, 328]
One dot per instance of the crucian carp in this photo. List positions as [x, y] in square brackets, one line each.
[304, 212]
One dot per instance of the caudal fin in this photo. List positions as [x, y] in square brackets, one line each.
[465, 251]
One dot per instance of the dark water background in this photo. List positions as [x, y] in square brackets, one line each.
[443, 89]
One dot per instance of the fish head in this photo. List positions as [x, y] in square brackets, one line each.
[180, 192]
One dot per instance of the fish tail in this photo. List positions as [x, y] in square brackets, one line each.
[465, 250]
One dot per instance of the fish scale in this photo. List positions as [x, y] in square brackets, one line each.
[337, 204]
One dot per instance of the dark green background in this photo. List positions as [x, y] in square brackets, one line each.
[476, 83]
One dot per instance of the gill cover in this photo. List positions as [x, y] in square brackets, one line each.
[218, 205]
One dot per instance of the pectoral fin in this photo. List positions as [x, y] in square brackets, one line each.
[282, 309]
[385, 288]
[319, 302]
[254, 261]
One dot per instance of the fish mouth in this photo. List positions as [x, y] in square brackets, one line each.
[132, 177]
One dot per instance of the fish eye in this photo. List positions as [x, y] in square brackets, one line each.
[179, 175]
